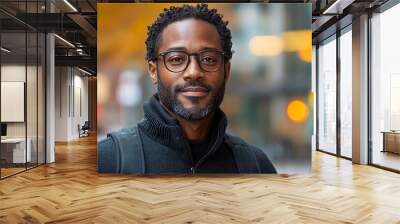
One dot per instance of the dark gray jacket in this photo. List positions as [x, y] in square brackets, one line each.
[156, 145]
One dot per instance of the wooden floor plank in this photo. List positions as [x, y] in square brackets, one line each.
[70, 191]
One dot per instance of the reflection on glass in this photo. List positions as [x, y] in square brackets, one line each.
[327, 96]
[22, 90]
[14, 153]
[41, 99]
[345, 94]
[31, 101]
[386, 89]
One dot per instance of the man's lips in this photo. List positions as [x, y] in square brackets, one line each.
[194, 91]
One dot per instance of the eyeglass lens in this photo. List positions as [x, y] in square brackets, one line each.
[178, 61]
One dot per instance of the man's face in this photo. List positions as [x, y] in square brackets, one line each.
[194, 92]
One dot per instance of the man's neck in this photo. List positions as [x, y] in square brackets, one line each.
[194, 130]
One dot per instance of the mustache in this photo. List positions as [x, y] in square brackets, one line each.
[192, 83]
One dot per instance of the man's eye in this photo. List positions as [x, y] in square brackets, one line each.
[176, 60]
[208, 59]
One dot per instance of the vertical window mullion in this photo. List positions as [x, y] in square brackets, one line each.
[338, 76]
[0, 93]
[37, 89]
[317, 96]
[26, 86]
[369, 89]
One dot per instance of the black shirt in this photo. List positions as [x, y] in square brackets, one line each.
[221, 158]
[224, 157]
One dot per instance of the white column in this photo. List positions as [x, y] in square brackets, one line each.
[360, 90]
[50, 92]
[50, 99]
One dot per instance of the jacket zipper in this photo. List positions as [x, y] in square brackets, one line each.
[193, 169]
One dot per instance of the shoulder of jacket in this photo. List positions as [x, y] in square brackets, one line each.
[108, 143]
[106, 156]
[123, 131]
[105, 142]
[261, 157]
[235, 140]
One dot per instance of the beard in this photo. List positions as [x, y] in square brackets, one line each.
[169, 99]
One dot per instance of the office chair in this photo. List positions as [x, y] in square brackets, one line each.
[84, 130]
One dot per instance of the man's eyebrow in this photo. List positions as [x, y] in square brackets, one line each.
[209, 48]
[184, 48]
[176, 49]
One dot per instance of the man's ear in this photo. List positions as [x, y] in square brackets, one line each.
[152, 69]
[227, 70]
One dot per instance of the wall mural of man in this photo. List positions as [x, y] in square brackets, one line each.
[184, 130]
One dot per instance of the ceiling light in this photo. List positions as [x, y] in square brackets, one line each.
[329, 9]
[84, 71]
[64, 40]
[71, 6]
[5, 50]
[338, 6]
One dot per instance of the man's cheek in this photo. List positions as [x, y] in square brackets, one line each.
[172, 90]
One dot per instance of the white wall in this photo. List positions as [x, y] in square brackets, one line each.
[71, 93]
[33, 126]
[62, 81]
[12, 73]
[81, 100]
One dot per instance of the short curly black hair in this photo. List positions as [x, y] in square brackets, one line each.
[174, 14]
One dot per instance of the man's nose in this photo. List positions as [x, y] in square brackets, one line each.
[193, 71]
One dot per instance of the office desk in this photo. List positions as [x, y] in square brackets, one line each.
[16, 147]
[391, 141]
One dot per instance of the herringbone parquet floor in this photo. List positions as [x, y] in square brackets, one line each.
[70, 191]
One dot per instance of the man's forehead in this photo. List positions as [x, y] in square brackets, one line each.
[190, 33]
[185, 49]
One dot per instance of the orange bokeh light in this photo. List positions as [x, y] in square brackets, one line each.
[305, 55]
[266, 45]
[297, 111]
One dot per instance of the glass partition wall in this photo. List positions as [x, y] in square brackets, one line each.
[385, 89]
[22, 88]
[327, 95]
[345, 61]
[334, 94]
[13, 110]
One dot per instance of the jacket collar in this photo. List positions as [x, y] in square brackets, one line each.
[162, 127]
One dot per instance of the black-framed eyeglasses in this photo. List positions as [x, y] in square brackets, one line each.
[178, 61]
